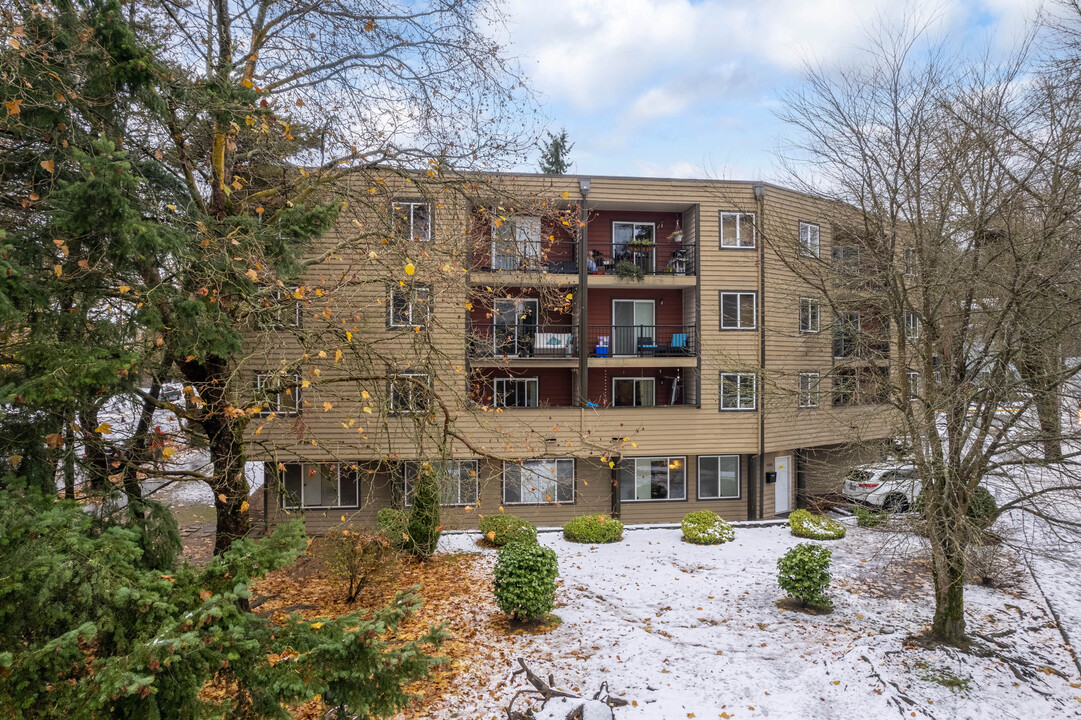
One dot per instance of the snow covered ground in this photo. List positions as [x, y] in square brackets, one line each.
[690, 631]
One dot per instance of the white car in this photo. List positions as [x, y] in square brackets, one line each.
[891, 487]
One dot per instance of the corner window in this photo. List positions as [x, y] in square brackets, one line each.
[409, 393]
[738, 391]
[458, 482]
[737, 230]
[808, 389]
[277, 393]
[413, 221]
[320, 486]
[810, 313]
[516, 392]
[409, 306]
[539, 482]
[633, 392]
[718, 477]
[738, 310]
[653, 478]
[808, 239]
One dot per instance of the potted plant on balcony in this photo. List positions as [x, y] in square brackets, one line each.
[629, 269]
[676, 236]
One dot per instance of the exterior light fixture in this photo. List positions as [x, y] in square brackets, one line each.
[583, 186]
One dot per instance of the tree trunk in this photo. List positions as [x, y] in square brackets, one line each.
[229, 483]
[1049, 411]
[948, 570]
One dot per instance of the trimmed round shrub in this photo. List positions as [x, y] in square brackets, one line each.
[502, 529]
[982, 507]
[593, 529]
[806, 524]
[394, 525]
[868, 518]
[705, 527]
[525, 580]
[804, 573]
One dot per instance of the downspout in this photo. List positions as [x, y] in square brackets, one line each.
[583, 295]
[760, 491]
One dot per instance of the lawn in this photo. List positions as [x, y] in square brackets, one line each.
[697, 631]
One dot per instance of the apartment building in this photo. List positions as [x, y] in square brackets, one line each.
[635, 346]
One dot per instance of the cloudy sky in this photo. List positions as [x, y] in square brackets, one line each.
[688, 88]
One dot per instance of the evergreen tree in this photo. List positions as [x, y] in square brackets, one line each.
[424, 521]
[554, 154]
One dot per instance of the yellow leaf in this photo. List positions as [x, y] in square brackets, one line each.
[491, 535]
[171, 207]
[105, 428]
[259, 210]
[337, 355]
[252, 275]
[13, 43]
[368, 410]
[410, 268]
[222, 498]
[323, 354]
[168, 452]
[244, 506]
[469, 306]
[13, 106]
[57, 270]
[305, 383]
[15, 460]
[124, 288]
[248, 83]
[343, 518]
[327, 406]
[365, 394]
[348, 336]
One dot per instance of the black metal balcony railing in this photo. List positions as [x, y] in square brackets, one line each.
[551, 342]
[551, 256]
[642, 341]
[636, 260]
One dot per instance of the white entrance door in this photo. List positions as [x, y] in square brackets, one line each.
[782, 489]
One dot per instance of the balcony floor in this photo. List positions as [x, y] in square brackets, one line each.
[535, 360]
[649, 281]
[527, 279]
[641, 362]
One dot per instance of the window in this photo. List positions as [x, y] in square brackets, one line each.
[912, 326]
[653, 478]
[846, 259]
[413, 220]
[718, 477]
[808, 389]
[738, 391]
[516, 242]
[409, 306]
[846, 334]
[627, 236]
[810, 312]
[844, 388]
[737, 311]
[808, 239]
[516, 392]
[912, 261]
[633, 392]
[458, 483]
[540, 481]
[281, 309]
[409, 393]
[320, 486]
[277, 393]
[913, 385]
[737, 230]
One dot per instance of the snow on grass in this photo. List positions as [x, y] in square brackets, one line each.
[694, 631]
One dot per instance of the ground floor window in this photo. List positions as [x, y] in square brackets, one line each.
[458, 482]
[328, 485]
[718, 477]
[516, 392]
[737, 391]
[653, 478]
[633, 392]
[540, 481]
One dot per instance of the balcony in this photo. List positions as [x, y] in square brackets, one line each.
[527, 256]
[642, 345]
[524, 343]
[640, 258]
[640, 388]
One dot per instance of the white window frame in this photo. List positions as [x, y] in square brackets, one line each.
[740, 296]
[810, 239]
[412, 205]
[739, 478]
[810, 309]
[283, 296]
[736, 216]
[471, 468]
[675, 462]
[913, 379]
[497, 394]
[413, 293]
[911, 261]
[304, 474]
[809, 389]
[638, 381]
[413, 407]
[740, 380]
[550, 499]
[521, 232]
[912, 326]
[274, 398]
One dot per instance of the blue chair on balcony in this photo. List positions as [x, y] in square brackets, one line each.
[678, 345]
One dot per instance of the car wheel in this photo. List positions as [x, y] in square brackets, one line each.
[895, 504]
